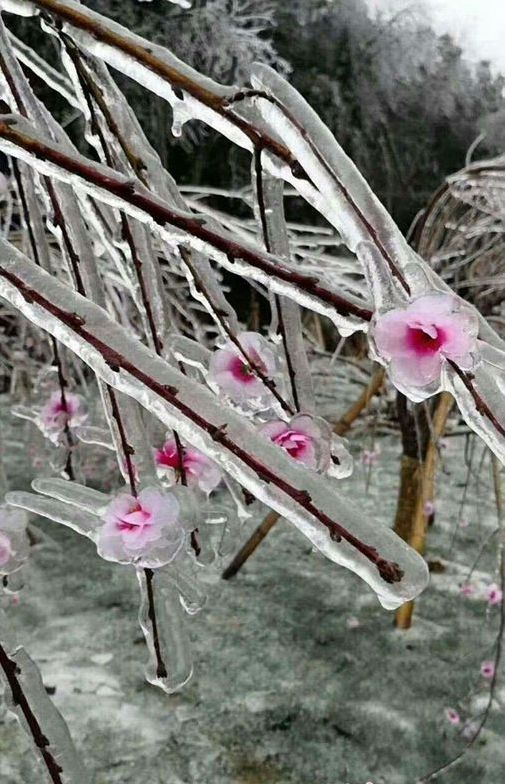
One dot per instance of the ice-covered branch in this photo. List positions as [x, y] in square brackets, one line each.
[305, 498]
[18, 138]
[27, 698]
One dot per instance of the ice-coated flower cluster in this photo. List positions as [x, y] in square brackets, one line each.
[304, 437]
[198, 470]
[415, 341]
[146, 530]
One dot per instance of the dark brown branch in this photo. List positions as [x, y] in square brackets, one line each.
[36, 258]
[161, 669]
[11, 671]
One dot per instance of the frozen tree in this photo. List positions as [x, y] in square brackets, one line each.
[121, 280]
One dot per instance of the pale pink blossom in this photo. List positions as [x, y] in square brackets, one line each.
[487, 669]
[416, 340]
[493, 594]
[198, 469]
[62, 411]
[145, 531]
[5, 549]
[303, 437]
[452, 716]
[467, 589]
[352, 623]
[231, 372]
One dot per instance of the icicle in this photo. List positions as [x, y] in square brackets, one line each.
[170, 665]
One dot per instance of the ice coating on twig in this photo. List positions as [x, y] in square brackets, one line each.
[270, 212]
[357, 213]
[28, 700]
[170, 665]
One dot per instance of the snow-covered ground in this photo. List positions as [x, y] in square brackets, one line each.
[300, 677]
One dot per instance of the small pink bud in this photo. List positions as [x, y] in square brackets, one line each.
[467, 589]
[452, 716]
[487, 669]
[62, 411]
[494, 594]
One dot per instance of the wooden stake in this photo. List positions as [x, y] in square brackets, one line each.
[417, 487]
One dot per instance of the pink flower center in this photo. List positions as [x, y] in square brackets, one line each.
[137, 518]
[168, 457]
[295, 443]
[422, 342]
[61, 407]
[241, 371]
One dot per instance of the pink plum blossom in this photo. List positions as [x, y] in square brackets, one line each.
[487, 669]
[60, 412]
[303, 438]
[416, 340]
[145, 531]
[493, 594]
[467, 589]
[198, 469]
[452, 716]
[230, 371]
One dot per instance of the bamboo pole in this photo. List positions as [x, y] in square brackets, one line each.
[340, 428]
[417, 487]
